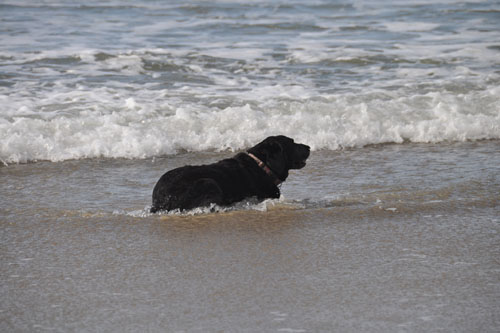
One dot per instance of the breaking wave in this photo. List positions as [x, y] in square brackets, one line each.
[142, 128]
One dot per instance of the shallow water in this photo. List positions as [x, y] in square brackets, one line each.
[380, 239]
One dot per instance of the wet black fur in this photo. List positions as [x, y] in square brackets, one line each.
[230, 180]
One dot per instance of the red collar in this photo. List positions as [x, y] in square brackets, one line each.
[266, 169]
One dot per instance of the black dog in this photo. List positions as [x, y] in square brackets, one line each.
[254, 173]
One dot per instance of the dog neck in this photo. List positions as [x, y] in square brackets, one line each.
[266, 169]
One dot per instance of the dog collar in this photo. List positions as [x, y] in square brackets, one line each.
[266, 169]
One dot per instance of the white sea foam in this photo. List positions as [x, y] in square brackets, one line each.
[247, 205]
[147, 126]
[71, 120]
[410, 26]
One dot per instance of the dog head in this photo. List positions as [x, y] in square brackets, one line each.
[280, 154]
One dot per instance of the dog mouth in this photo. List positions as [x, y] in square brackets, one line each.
[301, 157]
[299, 164]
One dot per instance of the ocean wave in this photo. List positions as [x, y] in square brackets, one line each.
[149, 127]
[156, 79]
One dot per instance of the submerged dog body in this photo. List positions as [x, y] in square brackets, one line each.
[253, 174]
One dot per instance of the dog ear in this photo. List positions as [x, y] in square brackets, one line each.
[276, 159]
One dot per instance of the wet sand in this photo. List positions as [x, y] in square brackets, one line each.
[393, 259]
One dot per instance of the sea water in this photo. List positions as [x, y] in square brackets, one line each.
[392, 226]
[147, 78]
